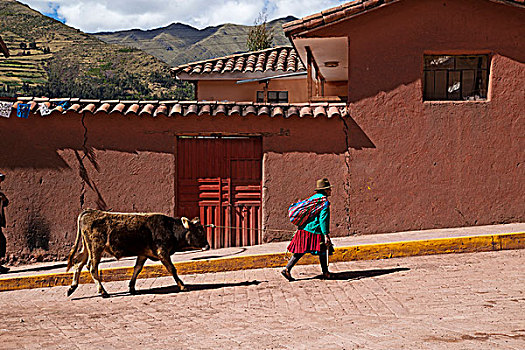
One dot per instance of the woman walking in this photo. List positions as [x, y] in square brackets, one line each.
[313, 236]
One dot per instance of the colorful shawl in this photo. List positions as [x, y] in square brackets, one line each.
[300, 212]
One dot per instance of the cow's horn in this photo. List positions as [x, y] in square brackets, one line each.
[185, 222]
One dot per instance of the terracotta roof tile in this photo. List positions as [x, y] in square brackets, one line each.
[174, 109]
[220, 110]
[249, 111]
[161, 110]
[283, 58]
[74, 108]
[292, 111]
[89, 108]
[147, 109]
[134, 108]
[103, 108]
[191, 110]
[350, 9]
[119, 108]
[229, 65]
[239, 64]
[277, 112]
[218, 66]
[250, 63]
[205, 110]
[305, 112]
[264, 110]
[235, 110]
[207, 67]
[271, 61]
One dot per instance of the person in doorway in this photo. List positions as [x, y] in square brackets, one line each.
[3, 203]
[314, 235]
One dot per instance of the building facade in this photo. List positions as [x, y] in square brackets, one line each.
[412, 108]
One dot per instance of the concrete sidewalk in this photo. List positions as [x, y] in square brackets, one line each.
[369, 247]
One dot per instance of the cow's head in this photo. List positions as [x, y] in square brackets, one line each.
[196, 235]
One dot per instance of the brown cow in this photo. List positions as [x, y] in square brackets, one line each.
[145, 235]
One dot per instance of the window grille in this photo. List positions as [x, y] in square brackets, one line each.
[455, 78]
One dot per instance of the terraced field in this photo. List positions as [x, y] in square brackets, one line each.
[49, 58]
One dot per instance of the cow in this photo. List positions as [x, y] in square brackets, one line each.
[145, 235]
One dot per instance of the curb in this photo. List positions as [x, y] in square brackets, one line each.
[468, 244]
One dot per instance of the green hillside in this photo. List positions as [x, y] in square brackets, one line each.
[179, 43]
[49, 58]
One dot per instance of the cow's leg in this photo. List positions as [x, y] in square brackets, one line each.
[95, 260]
[139, 264]
[80, 261]
[166, 261]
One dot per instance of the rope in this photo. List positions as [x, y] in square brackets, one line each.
[249, 228]
[256, 229]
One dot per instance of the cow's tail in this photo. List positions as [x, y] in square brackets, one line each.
[77, 241]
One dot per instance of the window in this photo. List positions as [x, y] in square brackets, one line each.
[455, 78]
[273, 96]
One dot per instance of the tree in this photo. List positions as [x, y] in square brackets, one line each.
[260, 36]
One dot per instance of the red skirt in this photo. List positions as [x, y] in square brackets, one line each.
[305, 242]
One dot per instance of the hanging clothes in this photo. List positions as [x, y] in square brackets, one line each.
[44, 110]
[22, 111]
[5, 109]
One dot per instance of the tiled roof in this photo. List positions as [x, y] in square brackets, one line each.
[283, 59]
[48, 107]
[3, 48]
[350, 9]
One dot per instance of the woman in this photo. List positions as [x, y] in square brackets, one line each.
[313, 236]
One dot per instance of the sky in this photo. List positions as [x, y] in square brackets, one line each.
[112, 15]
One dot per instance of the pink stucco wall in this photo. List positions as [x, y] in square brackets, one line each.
[419, 164]
[220, 90]
[130, 166]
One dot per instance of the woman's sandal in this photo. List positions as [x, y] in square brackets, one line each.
[287, 275]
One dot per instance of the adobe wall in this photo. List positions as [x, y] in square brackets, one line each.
[60, 164]
[434, 164]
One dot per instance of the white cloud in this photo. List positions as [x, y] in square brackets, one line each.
[301, 8]
[111, 15]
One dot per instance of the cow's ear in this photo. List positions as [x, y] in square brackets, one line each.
[195, 221]
[185, 222]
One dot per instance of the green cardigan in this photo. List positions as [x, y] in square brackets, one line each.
[321, 223]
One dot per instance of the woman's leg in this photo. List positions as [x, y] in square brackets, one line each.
[293, 260]
[323, 259]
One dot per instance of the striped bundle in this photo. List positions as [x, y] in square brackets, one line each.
[301, 212]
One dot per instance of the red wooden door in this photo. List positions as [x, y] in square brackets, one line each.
[219, 180]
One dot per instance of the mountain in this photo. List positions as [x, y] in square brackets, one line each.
[180, 43]
[49, 58]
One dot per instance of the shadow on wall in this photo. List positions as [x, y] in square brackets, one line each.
[37, 232]
[83, 173]
[356, 137]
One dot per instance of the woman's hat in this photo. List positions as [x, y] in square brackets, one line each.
[323, 184]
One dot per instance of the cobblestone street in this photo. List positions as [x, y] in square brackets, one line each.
[457, 301]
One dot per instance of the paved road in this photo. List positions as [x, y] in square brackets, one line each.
[459, 301]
